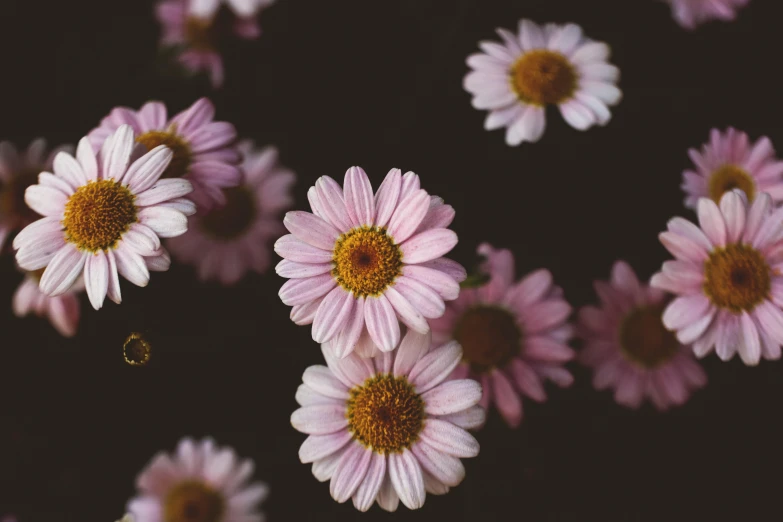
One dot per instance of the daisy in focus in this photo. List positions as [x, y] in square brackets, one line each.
[195, 27]
[63, 310]
[203, 149]
[19, 170]
[391, 428]
[727, 276]
[730, 161]
[629, 348]
[200, 483]
[229, 241]
[514, 336]
[691, 13]
[539, 66]
[103, 216]
[362, 261]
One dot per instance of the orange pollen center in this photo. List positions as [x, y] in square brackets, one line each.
[366, 260]
[193, 501]
[645, 340]
[233, 219]
[730, 177]
[543, 77]
[385, 414]
[737, 278]
[182, 155]
[200, 34]
[98, 214]
[490, 337]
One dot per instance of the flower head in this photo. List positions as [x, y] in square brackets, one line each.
[730, 161]
[202, 149]
[360, 261]
[631, 350]
[727, 276]
[200, 483]
[17, 172]
[103, 216]
[227, 242]
[242, 8]
[513, 335]
[389, 428]
[551, 65]
[691, 13]
[63, 311]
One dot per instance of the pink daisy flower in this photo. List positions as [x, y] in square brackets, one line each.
[389, 428]
[193, 26]
[242, 8]
[202, 482]
[513, 335]
[203, 149]
[63, 311]
[17, 172]
[630, 349]
[551, 65]
[691, 13]
[102, 217]
[727, 275]
[227, 242]
[730, 161]
[360, 261]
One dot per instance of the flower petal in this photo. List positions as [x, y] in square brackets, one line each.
[320, 419]
[96, 278]
[387, 196]
[448, 438]
[428, 245]
[359, 199]
[435, 367]
[382, 322]
[451, 397]
[63, 270]
[406, 477]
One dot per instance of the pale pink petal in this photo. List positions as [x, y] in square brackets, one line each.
[507, 401]
[328, 197]
[406, 311]
[62, 271]
[116, 153]
[165, 222]
[409, 214]
[387, 196]
[451, 397]
[131, 266]
[295, 250]
[164, 190]
[382, 322]
[448, 438]
[469, 419]
[70, 170]
[366, 493]
[527, 381]
[345, 342]
[320, 419]
[435, 367]
[350, 471]
[428, 245]
[311, 229]
[333, 314]
[406, 477]
[445, 285]
[47, 201]
[359, 200]
[301, 291]
[412, 349]
[317, 447]
[388, 499]
[422, 297]
[96, 278]
[320, 379]
[686, 310]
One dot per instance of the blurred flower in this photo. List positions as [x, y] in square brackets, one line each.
[728, 278]
[631, 350]
[540, 66]
[389, 428]
[361, 261]
[513, 335]
[201, 483]
[63, 311]
[103, 216]
[227, 242]
[127, 518]
[194, 27]
[17, 172]
[691, 13]
[136, 350]
[729, 161]
[203, 149]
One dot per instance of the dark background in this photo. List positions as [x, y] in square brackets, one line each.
[341, 83]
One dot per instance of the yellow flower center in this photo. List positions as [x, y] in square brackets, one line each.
[730, 177]
[489, 336]
[193, 501]
[367, 260]
[182, 155]
[645, 340]
[136, 350]
[385, 414]
[12, 201]
[200, 34]
[233, 219]
[542, 77]
[737, 278]
[97, 215]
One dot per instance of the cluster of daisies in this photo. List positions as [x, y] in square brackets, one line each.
[415, 352]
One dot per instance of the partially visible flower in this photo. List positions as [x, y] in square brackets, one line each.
[127, 518]
[629, 348]
[227, 242]
[63, 311]
[551, 65]
[103, 216]
[727, 276]
[194, 27]
[514, 335]
[362, 262]
[203, 149]
[691, 13]
[17, 172]
[202, 483]
[730, 161]
[389, 428]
